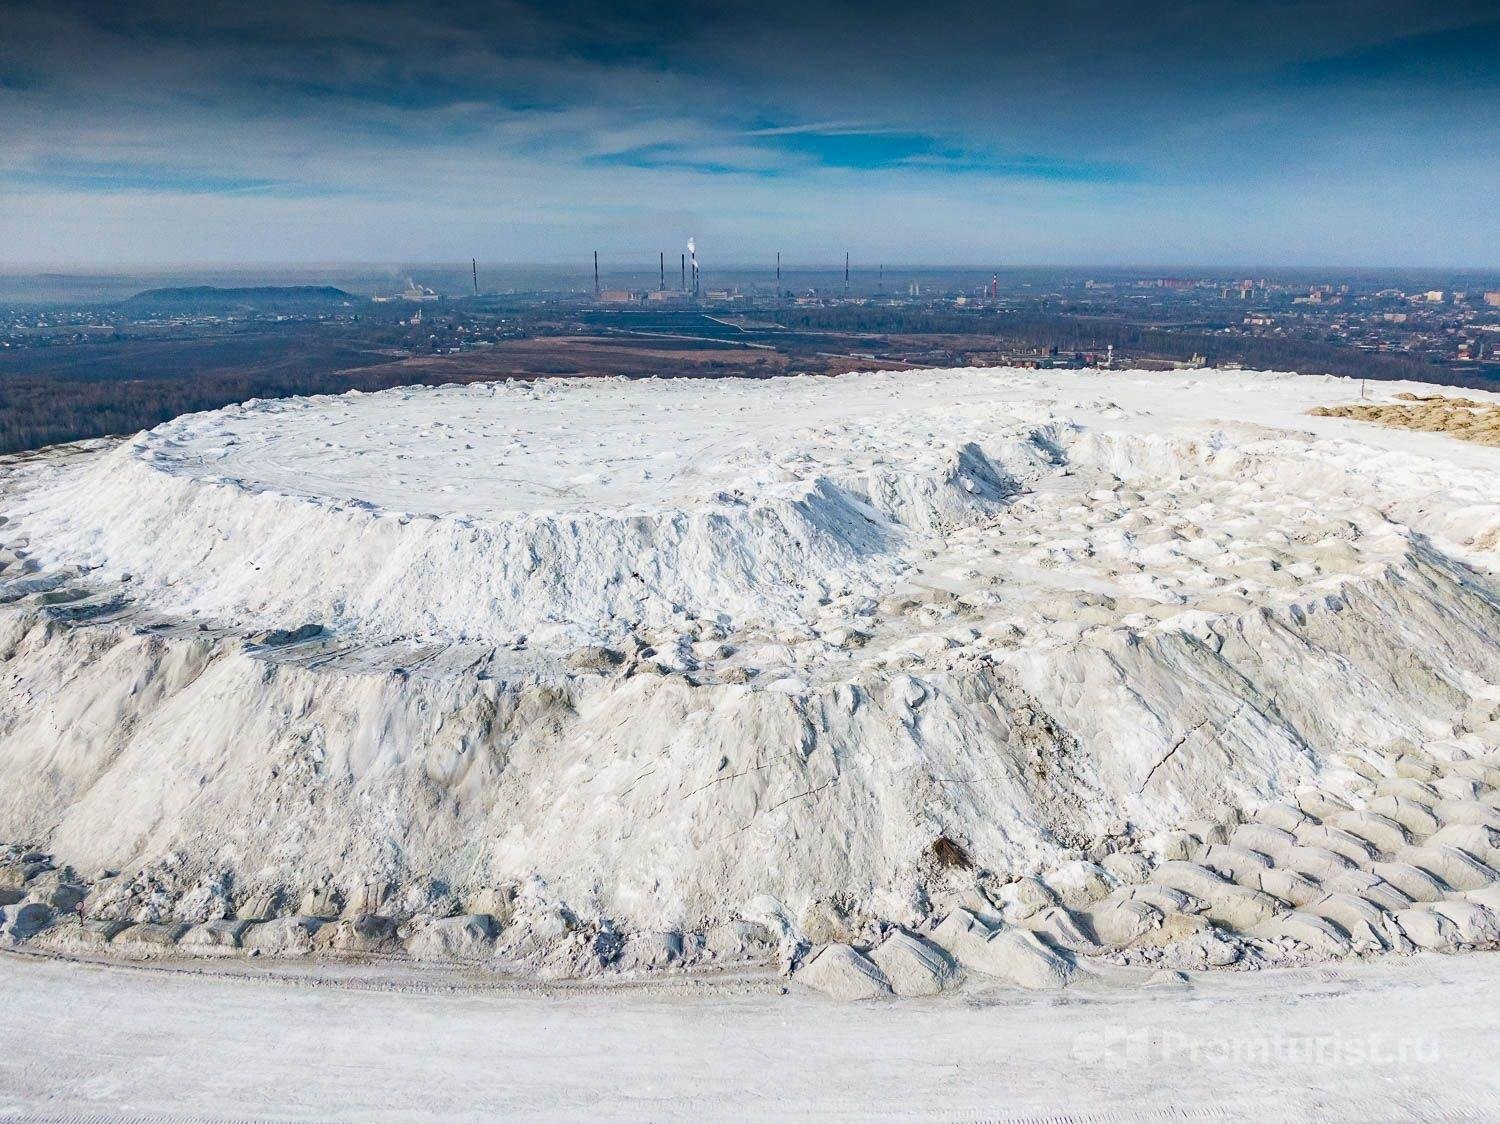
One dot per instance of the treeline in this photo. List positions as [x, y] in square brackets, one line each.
[1078, 333]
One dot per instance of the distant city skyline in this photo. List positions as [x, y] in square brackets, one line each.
[1340, 134]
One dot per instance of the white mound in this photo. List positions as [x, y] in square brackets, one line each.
[814, 654]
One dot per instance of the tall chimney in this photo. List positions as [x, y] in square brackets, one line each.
[662, 285]
[596, 274]
[778, 275]
[684, 273]
[474, 265]
[846, 273]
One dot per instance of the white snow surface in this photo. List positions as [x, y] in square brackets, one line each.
[1405, 1040]
[669, 653]
[579, 507]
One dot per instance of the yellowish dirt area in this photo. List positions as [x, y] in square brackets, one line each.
[1463, 418]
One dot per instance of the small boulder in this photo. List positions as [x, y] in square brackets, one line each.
[913, 966]
[1078, 883]
[366, 933]
[1019, 956]
[285, 936]
[155, 934]
[277, 637]
[1208, 949]
[1120, 922]
[1415, 816]
[1371, 887]
[1474, 923]
[1454, 868]
[651, 949]
[217, 935]
[100, 931]
[1334, 839]
[1287, 817]
[1161, 897]
[1319, 803]
[1265, 838]
[24, 919]
[1473, 813]
[1426, 928]
[1472, 839]
[1381, 832]
[1238, 864]
[595, 659]
[825, 922]
[323, 902]
[465, 937]
[1018, 900]
[740, 940]
[1289, 886]
[840, 972]
[1317, 934]
[1366, 923]
[1128, 867]
[1416, 884]
[1061, 929]
[1316, 863]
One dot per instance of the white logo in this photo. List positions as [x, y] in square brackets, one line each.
[1117, 1046]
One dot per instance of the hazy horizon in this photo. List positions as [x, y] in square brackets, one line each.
[100, 285]
[640, 263]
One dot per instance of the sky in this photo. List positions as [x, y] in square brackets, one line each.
[1069, 133]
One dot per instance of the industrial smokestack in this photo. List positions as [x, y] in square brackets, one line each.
[662, 284]
[684, 273]
[596, 274]
[474, 265]
[693, 254]
[846, 273]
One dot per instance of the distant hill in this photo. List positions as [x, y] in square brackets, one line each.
[208, 297]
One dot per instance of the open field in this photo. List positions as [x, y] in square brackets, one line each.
[141, 366]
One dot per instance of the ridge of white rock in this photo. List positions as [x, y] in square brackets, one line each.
[811, 655]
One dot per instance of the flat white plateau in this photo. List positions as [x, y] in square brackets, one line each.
[1410, 1039]
[500, 449]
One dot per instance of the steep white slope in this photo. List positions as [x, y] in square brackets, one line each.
[865, 646]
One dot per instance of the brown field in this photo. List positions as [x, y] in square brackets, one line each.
[584, 356]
